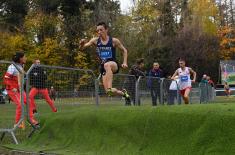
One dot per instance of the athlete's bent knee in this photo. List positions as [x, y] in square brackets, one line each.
[107, 66]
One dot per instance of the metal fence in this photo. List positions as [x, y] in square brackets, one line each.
[159, 91]
[120, 81]
[154, 91]
[59, 88]
[170, 91]
[56, 88]
[207, 92]
[149, 91]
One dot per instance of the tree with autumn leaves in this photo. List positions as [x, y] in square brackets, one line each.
[227, 43]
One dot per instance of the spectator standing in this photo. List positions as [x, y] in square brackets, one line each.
[204, 79]
[227, 89]
[154, 81]
[210, 81]
[173, 92]
[38, 79]
[204, 89]
[136, 71]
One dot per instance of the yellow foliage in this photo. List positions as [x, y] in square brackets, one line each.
[37, 21]
[10, 43]
[51, 52]
[205, 13]
[227, 44]
[81, 60]
[145, 16]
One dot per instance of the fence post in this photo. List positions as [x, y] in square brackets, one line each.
[137, 97]
[200, 93]
[178, 93]
[27, 92]
[97, 97]
[161, 91]
[208, 92]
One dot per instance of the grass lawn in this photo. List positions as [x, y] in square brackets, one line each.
[116, 129]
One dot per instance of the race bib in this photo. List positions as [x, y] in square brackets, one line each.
[184, 79]
[105, 54]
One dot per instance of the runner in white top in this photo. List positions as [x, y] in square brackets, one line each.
[12, 69]
[184, 79]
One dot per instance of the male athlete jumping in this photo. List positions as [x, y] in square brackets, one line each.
[106, 50]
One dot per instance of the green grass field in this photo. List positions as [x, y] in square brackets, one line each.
[115, 129]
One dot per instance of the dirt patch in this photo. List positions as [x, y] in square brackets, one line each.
[4, 151]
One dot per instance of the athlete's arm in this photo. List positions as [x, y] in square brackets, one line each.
[194, 74]
[175, 74]
[118, 44]
[84, 44]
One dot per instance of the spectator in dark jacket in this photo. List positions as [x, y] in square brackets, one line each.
[204, 79]
[38, 77]
[138, 69]
[135, 71]
[154, 81]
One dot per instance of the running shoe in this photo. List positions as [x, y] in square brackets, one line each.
[127, 97]
[109, 92]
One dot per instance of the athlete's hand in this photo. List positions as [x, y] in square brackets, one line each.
[82, 43]
[124, 65]
[14, 90]
[193, 81]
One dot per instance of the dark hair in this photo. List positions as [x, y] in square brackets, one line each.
[139, 61]
[182, 59]
[16, 57]
[102, 24]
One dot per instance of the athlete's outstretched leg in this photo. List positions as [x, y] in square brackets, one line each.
[15, 97]
[33, 92]
[111, 67]
[45, 94]
[31, 110]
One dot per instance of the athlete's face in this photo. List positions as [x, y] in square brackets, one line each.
[101, 31]
[23, 60]
[182, 63]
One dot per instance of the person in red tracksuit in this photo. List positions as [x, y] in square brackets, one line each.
[38, 79]
[12, 80]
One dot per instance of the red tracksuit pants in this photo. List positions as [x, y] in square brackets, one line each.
[34, 91]
[15, 97]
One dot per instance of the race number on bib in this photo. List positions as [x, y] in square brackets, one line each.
[184, 79]
[105, 54]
